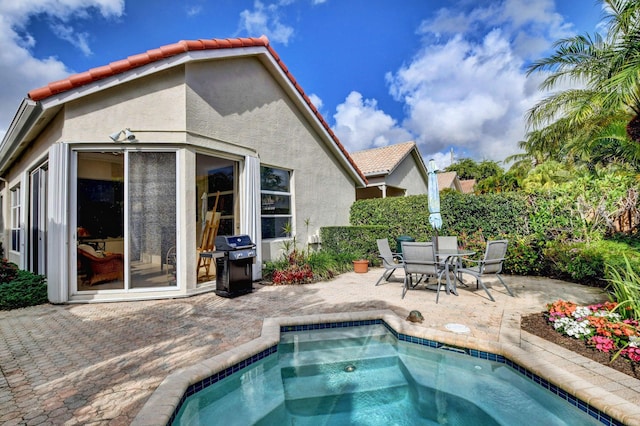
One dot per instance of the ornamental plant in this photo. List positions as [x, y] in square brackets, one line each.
[296, 271]
[599, 325]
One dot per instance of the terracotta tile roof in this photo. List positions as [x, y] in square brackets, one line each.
[382, 160]
[447, 180]
[174, 49]
[467, 185]
[141, 59]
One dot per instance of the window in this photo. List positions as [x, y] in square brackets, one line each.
[222, 179]
[275, 199]
[15, 219]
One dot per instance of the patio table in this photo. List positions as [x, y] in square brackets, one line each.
[451, 257]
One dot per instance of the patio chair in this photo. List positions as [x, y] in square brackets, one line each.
[420, 259]
[445, 243]
[390, 260]
[490, 265]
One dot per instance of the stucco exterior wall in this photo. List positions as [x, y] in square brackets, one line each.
[149, 106]
[238, 102]
[408, 176]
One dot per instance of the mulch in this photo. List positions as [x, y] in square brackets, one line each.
[538, 325]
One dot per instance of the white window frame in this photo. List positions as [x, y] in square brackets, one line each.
[270, 192]
[16, 210]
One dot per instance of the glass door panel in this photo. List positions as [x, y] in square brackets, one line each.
[152, 219]
[100, 221]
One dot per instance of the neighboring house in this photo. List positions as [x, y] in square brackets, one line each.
[449, 180]
[467, 186]
[109, 174]
[391, 171]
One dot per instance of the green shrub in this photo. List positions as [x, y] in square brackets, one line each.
[524, 255]
[624, 285]
[495, 214]
[26, 289]
[326, 265]
[356, 242]
[585, 262]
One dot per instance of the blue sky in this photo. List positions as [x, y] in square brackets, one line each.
[449, 75]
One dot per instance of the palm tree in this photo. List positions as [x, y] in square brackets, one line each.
[607, 73]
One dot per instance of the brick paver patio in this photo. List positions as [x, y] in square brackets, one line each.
[99, 363]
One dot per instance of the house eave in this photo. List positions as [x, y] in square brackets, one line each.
[21, 132]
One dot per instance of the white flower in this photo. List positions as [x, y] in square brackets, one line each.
[613, 316]
[582, 312]
[573, 328]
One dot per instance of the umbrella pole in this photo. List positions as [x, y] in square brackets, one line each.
[435, 242]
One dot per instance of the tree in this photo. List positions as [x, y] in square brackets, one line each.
[606, 71]
[466, 168]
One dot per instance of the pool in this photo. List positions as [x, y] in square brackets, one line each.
[365, 373]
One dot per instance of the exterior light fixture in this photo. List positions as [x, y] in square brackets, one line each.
[127, 135]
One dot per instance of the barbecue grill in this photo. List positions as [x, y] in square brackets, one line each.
[234, 270]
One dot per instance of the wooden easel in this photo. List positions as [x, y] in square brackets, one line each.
[207, 240]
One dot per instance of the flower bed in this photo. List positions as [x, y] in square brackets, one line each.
[599, 325]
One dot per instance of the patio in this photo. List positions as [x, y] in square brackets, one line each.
[99, 363]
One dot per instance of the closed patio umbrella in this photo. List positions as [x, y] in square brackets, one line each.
[434, 198]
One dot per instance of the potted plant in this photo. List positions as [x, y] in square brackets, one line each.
[361, 266]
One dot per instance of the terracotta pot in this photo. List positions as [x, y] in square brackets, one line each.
[361, 266]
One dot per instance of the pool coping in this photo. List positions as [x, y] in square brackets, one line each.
[519, 348]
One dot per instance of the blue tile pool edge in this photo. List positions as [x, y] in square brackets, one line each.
[605, 419]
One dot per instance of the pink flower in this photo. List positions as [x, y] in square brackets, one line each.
[632, 353]
[603, 344]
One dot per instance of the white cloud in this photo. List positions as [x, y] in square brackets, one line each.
[67, 33]
[361, 125]
[266, 20]
[442, 159]
[316, 101]
[193, 10]
[467, 88]
[19, 69]
[465, 94]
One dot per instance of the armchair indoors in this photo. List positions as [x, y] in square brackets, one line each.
[490, 265]
[100, 267]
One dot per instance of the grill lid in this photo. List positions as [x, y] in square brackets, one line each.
[233, 242]
[242, 254]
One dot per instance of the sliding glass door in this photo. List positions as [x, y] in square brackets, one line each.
[126, 220]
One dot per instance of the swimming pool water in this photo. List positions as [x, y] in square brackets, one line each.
[365, 376]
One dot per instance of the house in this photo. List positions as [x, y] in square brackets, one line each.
[449, 180]
[111, 177]
[467, 185]
[391, 171]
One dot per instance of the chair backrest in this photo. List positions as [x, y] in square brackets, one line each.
[494, 256]
[385, 253]
[419, 258]
[447, 243]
